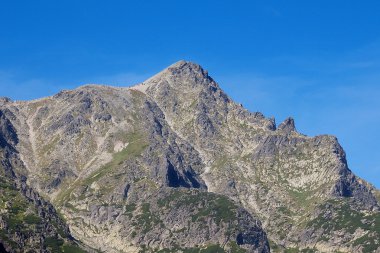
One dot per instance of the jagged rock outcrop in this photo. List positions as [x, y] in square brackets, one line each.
[287, 126]
[280, 175]
[173, 164]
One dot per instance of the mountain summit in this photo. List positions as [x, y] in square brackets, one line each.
[173, 165]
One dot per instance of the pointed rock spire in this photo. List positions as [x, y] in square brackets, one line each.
[186, 67]
[287, 125]
[187, 75]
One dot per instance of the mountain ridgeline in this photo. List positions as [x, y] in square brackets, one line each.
[173, 165]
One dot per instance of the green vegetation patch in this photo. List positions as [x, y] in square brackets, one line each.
[46, 149]
[57, 245]
[274, 247]
[22, 218]
[349, 220]
[234, 248]
[221, 209]
[216, 248]
[54, 244]
[130, 208]
[137, 143]
[368, 242]
[301, 197]
[67, 248]
[218, 207]
[146, 219]
[220, 162]
[20, 213]
[32, 219]
[4, 238]
[297, 250]
[377, 195]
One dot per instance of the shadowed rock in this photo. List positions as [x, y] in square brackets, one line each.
[287, 125]
[174, 164]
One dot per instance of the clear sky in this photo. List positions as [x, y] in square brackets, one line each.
[317, 61]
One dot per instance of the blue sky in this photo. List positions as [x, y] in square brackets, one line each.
[317, 61]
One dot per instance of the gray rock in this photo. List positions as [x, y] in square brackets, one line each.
[288, 125]
[173, 164]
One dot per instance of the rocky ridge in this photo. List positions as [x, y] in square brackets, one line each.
[173, 164]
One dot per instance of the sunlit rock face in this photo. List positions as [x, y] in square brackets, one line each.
[174, 165]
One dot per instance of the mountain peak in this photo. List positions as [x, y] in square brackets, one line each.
[181, 156]
[182, 73]
[183, 63]
[179, 63]
[287, 125]
[183, 66]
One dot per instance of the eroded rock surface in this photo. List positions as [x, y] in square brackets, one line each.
[174, 165]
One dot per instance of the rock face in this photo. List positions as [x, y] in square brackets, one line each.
[28, 223]
[174, 165]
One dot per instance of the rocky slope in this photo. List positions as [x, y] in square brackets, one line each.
[284, 177]
[173, 164]
[28, 223]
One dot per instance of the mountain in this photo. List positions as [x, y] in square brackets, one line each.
[173, 165]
